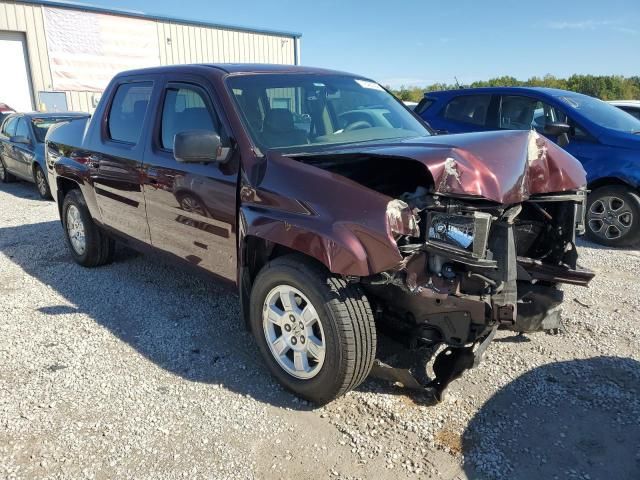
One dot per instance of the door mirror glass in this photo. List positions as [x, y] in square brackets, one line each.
[195, 146]
[20, 139]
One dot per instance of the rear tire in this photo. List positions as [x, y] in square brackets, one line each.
[88, 245]
[613, 216]
[40, 179]
[340, 328]
[5, 176]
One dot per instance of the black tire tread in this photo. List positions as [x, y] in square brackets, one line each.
[102, 250]
[634, 238]
[354, 321]
[8, 177]
[47, 196]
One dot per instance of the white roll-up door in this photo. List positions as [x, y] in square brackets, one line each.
[15, 84]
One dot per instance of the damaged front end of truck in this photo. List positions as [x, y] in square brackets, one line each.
[470, 268]
[479, 235]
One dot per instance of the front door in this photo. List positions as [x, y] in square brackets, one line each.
[191, 207]
[23, 154]
[116, 170]
[6, 147]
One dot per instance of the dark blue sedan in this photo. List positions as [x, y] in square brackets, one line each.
[604, 138]
[22, 147]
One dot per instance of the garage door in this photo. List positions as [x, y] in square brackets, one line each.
[15, 87]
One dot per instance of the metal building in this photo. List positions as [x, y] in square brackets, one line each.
[59, 56]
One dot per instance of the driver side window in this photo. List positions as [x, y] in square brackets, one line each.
[525, 113]
[576, 131]
[22, 129]
[184, 109]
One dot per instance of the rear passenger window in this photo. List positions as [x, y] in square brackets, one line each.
[468, 109]
[128, 110]
[184, 109]
[22, 130]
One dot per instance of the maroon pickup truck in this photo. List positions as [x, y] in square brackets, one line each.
[333, 209]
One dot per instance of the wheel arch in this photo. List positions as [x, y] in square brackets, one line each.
[610, 181]
[64, 185]
[255, 253]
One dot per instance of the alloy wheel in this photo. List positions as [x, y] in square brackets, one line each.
[75, 230]
[41, 182]
[191, 205]
[610, 217]
[294, 332]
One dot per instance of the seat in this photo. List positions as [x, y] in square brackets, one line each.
[278, 129]
[479, 114]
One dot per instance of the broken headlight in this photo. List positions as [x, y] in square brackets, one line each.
[465, 232]
[401, 219]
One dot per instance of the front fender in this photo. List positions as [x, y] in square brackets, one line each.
[346, 249]
[320, 214]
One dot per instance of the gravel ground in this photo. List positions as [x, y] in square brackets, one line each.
[143, 370]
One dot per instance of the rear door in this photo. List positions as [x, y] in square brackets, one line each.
[115, 162]
[191, 207]
[468, 113]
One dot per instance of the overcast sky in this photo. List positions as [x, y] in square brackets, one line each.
[421, 42]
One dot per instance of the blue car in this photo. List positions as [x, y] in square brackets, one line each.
[22, 147]
[604, 138]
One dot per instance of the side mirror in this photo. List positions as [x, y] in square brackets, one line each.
[555, 129]
[559, 130]
[196, 146]
[20, 139]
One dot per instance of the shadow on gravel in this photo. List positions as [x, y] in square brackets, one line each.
[576, 419]
[22, 189]
[180, 320]
[583, 242]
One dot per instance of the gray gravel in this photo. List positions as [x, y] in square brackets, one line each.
[143, 370]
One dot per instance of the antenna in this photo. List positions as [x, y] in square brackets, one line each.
[457, 83]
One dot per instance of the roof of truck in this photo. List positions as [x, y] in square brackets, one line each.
[237, 68]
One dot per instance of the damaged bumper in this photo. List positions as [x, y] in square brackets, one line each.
[474, 269]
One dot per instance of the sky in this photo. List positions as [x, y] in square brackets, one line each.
[415, 43]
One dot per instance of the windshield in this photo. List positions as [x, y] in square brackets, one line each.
[305, 110]
[602, 113]
[42, 125]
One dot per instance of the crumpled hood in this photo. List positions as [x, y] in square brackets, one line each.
[503, 166]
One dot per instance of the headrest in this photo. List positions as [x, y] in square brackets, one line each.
[139, 107]
[278, 120]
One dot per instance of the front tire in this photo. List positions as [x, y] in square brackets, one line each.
[613, 216]
[5, 176]
[315, 331]
[41, 182]
[88, 245]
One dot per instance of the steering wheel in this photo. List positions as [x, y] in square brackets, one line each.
[357, 125]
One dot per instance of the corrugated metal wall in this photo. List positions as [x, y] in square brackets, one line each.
[177, 43]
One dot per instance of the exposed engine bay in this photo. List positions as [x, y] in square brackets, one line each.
[470, 265]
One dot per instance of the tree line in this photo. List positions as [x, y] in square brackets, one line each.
[605, 87]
